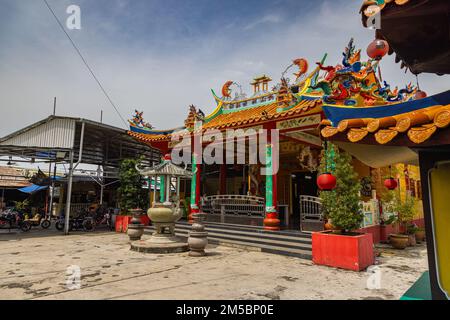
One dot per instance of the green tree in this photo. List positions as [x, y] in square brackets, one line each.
[341, 205]
[131, 194]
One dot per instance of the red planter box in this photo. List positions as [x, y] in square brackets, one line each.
[343, 251]
[123, 221]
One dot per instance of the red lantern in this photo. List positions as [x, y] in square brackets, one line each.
[390, 183]
[377, 49]
[326, 182]
[420, 95]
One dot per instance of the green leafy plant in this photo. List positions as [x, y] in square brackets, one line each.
[131, 194]
[411, 228]
[404, 210]
[342, 205]
[22, 205]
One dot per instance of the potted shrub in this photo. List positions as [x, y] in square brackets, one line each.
[420, 235]
[405, 210]
[411, 232]
[131, 194]
[342, 247]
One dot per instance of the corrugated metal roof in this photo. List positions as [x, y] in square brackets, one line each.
[13, 177]
[55, 133]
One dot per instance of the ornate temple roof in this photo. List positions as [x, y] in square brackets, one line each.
[352, 86]
[414, 122]
[425, 118]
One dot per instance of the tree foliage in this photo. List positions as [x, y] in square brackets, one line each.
[131, 194]
[404, 209]
[342, 205]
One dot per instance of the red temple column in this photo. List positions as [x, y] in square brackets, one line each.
[223, 179]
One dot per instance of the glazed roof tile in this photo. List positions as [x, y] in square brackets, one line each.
[418, 125]
[245, 117]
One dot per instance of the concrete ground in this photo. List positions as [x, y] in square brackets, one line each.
[34, 266]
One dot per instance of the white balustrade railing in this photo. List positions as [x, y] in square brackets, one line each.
[233, 205]
[311, 208]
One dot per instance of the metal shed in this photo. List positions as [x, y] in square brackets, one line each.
[74, 141]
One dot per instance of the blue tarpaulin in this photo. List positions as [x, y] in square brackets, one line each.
[32, 189]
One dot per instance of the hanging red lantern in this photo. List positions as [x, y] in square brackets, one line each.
[326, 181]
[390, 183]
[420, 95]
[377, 49]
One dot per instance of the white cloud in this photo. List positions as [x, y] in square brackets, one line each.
[267, 19]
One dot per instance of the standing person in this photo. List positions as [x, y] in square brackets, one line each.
[203, 201]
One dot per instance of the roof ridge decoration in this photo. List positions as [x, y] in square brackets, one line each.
[193, 117]
[354, 83]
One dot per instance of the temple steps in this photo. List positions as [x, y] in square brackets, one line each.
[289, 243]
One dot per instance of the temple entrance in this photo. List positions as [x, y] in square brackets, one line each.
[305, 211]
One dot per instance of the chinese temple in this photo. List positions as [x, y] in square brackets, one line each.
[287, 198]
[421, 128]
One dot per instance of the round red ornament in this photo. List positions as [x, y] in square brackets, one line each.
[377, 49]
[326, 181]
[390, 183]
[420, 95]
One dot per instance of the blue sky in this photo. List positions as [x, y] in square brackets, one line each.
[161, 56]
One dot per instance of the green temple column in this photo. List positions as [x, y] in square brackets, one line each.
[271, 221]
[162, 189]
[195, 187]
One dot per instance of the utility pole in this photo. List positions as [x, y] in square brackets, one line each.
[101, 116]
[54, 106]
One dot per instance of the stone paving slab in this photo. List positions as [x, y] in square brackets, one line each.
[33, 266]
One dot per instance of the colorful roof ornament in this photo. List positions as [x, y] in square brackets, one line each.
[351, 87]
[226, 91]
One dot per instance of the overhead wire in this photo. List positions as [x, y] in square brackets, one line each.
[86, 63]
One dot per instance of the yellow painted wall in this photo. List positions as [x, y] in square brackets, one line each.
[414, 175]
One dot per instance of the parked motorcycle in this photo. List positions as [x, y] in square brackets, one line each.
[102, 217]
[82, 221]
[37, 220]
[11, 219]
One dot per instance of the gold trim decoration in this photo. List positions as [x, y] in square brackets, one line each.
[403, 124]
[373, 125]
[342, 126]
[442, 118]
[328, 131]
[421, 134]
[325, 122]
[385, 135]
[355, 135]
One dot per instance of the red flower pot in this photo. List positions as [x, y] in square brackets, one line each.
[351, 252]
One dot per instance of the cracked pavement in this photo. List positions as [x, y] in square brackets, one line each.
[33, 266]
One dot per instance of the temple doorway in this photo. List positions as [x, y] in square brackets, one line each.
[304, 187]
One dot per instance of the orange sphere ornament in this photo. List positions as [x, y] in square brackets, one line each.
[377, 49]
